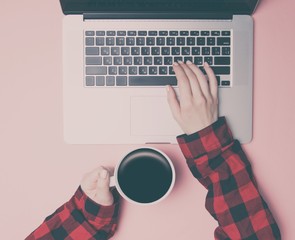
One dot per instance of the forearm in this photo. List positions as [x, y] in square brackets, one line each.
[233, 199]
[80, 218]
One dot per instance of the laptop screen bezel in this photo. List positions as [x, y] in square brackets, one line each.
[204, 6]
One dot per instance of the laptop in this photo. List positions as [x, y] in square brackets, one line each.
[117, 60]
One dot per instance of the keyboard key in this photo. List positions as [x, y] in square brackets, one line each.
[89, 41]
[209, 60]
[150, 41]
[158, 60]
[112, 70]
[205, 33]
[132, 70]
[198, 61]
[225, 83]
[111, 33]
[125, 51]
[123, 70]
[89, 33]
[180, 41]
[152, 81]
[165, 50]
[131, 33]
[194, 33]
[117, 60]
[121, 33]
[185, 51]
[215, 33]
[190, 41]
[137, 60]
[89, 81]
[142, 33]
[153, 70]
[92, 50]
[196, 50]
[226, 51]
[93, 61]
[135, 51]
[110, 41]
[100, 41]
[142, 70]
[184, 33]
[163, 70]
[171, 71]
[107, 61]
[173, 33]
[175, 50]
[140, 41]
[163, 33]
[115, 50]
[145, 51]
[218, 80]
[156, 51]
[152, 33]
[105, 51]
[205, 50]
[130, 41]
[170, 41]
[210, 41]
[121, 81]
[168, 61]
[148, 60]
[216, 51]
[110, 81]
[201, 41]
[160, 41]
[222, 61]
[120, 41]
[99, 81]
[221, 70]
[127, 60]
[96, 70]
[225, 33]
[223, 41]
[100, 33]
[185, 59]
[176, 59]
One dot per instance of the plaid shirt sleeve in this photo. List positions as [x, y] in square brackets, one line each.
[80, 218]
[233, 199]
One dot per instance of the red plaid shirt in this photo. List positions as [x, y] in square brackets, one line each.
[220, 165]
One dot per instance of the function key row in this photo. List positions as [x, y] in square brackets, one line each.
[157, 33]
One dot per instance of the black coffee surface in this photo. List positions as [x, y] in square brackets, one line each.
[145, 177]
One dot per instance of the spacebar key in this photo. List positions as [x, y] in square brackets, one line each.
[152, 80]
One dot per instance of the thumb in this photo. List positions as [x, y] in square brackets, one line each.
[103, 182]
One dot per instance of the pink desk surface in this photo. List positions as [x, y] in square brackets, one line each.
[39, 172]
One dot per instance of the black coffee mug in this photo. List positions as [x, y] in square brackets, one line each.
[144, 176]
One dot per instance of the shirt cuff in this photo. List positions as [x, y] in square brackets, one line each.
[208, 140]
[94, 211]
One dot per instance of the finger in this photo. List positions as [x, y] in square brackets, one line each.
[212, 81]
[185, 92]
[203, 83]
[103, 181]
[173, 102]
[193, 79]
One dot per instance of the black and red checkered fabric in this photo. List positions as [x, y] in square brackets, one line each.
[79, 219]
[233, 199]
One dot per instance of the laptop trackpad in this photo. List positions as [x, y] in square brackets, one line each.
[151, 116]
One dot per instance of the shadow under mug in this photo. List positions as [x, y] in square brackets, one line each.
[144, 176]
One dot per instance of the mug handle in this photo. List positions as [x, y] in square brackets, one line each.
[112, 181]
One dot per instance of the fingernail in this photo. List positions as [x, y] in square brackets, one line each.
[180, 62]
[206, 64]
[188, 62]
[103, 174]
[167, 88]
[175, 64]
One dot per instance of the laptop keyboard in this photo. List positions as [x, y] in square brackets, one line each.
[145, 58]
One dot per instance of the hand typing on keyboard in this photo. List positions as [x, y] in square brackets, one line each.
[197, 106]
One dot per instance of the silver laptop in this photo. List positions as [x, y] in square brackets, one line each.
[117, 60]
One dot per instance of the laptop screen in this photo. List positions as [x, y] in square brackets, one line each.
[198, 6]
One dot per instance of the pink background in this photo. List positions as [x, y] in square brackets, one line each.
[39, 172]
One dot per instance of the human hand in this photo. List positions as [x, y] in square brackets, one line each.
[95, 185]
[197, 106]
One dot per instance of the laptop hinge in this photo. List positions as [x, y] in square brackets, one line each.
[157, 15]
